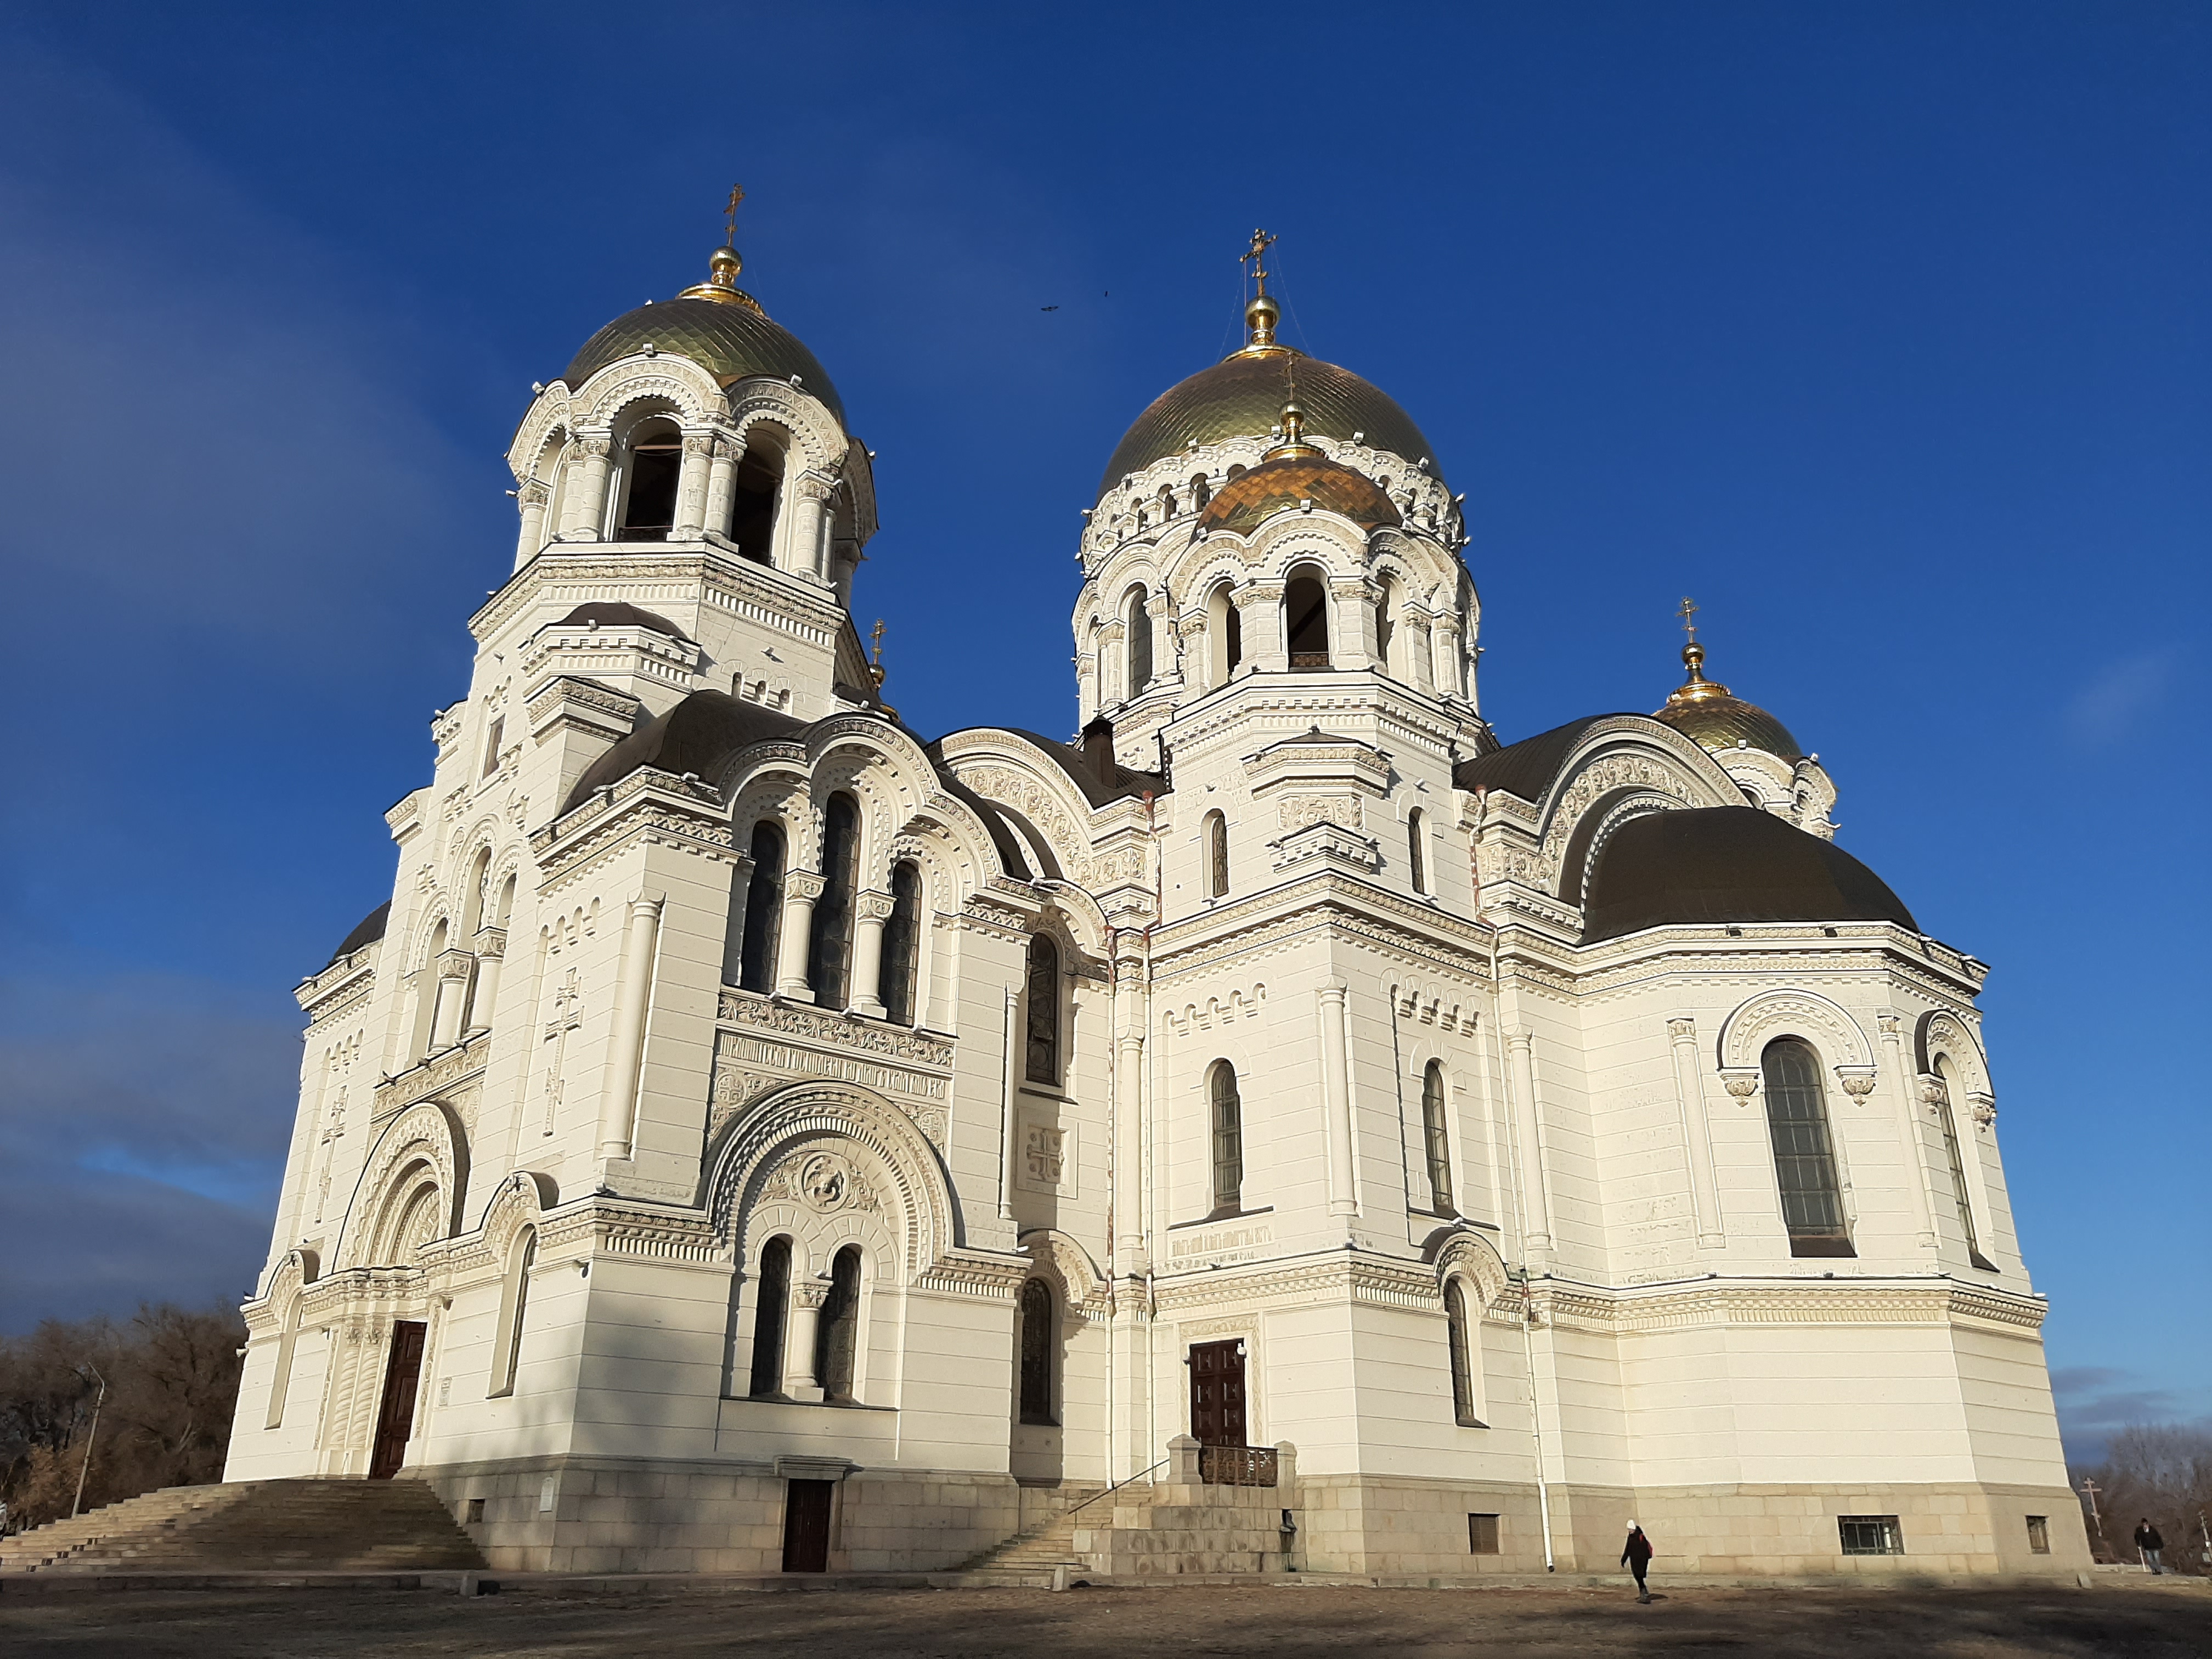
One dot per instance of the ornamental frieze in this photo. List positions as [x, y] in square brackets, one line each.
[748, 1065]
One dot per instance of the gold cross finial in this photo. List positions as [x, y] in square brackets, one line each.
[1688, 611]
[876, 636]
[730, 208]
[1261, 242]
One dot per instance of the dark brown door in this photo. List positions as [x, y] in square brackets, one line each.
[806, 1525]
[395, 1418]
[1217, 1393]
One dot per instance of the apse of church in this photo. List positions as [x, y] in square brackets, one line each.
[754, 1137]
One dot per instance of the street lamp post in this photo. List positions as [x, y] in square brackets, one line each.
[91, 1435]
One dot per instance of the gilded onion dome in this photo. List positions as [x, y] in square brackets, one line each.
[1239, 395]
[718, 326]
[1710, 715]
[1293, 477]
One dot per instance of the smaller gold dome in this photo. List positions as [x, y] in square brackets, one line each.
[1294, 475]
[1713, 718]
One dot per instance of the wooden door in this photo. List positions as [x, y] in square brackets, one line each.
[1217, 1393]
[395, 1417]
[806, 1525]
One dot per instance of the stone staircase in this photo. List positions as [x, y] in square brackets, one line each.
[253, 1526]
[1048, 1544]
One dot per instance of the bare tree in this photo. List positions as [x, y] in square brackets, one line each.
[2160, 1472]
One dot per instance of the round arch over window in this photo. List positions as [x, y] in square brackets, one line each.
[653, 460]
[1305, 620]
[1804, 1155]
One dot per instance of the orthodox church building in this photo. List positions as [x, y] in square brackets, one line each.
[1284, 1127]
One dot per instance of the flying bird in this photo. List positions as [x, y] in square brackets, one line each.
[1047, 307]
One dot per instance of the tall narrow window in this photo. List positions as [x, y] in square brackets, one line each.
[902, 945]
[1042, 996]
[1137, 624]
[507, 1360]
[768, 1313]
[836, 1338]
[1385, 625]
[1956, 1161]
[281, 1383]
[1416, 862]
[1040, 1335]
[1465, 1407]
[1224, 631]
[656, 456]
[492, 740]
[754, 488]
[1217, 855]
[1435, 1138]
[1804, 1159]
[764, 917]
[831, 948]
[1305, 618]
[1233, 634]
[1228, 1139]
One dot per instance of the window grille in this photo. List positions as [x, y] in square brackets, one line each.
[1043, 996]
[1871, 1535]
[1482, 1534]
[1804, 1158]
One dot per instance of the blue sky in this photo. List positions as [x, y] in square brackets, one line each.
[1881, 329]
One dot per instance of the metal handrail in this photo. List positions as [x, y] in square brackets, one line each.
[1115, 1487]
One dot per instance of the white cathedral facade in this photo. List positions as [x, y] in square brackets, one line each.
[756, 1137]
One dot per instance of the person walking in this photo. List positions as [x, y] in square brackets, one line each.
[1637, 1557]
[2150, 1544]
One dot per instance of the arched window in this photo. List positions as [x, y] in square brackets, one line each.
[492, 741]
[1042, 996]
[1467, 1405]
[1436, 1139]
[1228, 1139]
[1039, 1337]
[836, 1338]
[756, 489]
[514, 1304]
[426, 1005]
[1804, 1158]
[1305, 620]
[1417, 863]
[1137, 626]
[656, 457]
[760, 919]
[902, 945]
[829, 954]
[1217, 855]
[1956, 1161]
[1386, 622]
[768, 1315]
[1200, 495]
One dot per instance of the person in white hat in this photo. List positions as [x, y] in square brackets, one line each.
[1637, 1557]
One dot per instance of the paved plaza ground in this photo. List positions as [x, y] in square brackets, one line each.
[2139, 1621]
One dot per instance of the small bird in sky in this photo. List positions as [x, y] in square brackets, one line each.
[1047, 307]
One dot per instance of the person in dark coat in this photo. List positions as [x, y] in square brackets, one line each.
[2151, 1544]
[1637, 1557]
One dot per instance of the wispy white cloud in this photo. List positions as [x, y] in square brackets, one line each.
[2116, 701]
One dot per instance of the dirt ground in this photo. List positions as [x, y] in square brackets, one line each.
[2140, 1623]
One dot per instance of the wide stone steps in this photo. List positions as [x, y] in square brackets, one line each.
[1049, 1544]
[257, 1525]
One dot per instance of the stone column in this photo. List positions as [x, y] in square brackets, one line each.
[1910, 1144]
[1352, 643]
[1131, 1254]
[640, 940]
[1444, 656]
[1521, 1061]
[691, 487]
[871, 911]
[453, 970]
[800, 889]
[491, 952]
[1167, 639]
[807, 1296]
[534, 496]
[1697, 1133]
[1419, 653]
[721, 483]
[1336, 1095]
[1259, 624]
[808, 494]
[584, 514]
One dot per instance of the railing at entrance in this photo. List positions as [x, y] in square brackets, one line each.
[1236, 1466]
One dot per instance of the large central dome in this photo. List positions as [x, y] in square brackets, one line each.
[1242, 396]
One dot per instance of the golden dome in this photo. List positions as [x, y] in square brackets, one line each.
[718, 327]
[1240, 396]
[1291, 476]
[1714, 718]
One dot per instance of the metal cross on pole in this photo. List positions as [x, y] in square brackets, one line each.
[2089, 1491]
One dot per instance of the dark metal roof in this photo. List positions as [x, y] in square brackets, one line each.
[1727, 864]
[367, 931]
[1526, 769]
[613, 613]
[1242, 397]
[700, 735]
[1125, 780]
[733, 343]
